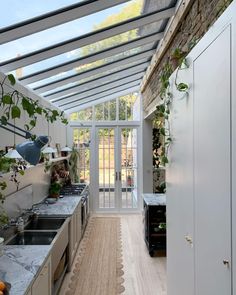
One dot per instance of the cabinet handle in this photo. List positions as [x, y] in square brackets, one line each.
[226, 262]
[120, 176]
[189, 239]
[116, 176]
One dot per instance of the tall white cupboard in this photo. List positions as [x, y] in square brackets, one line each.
[201, 182]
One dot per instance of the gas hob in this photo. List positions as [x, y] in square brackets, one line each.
[74, 189]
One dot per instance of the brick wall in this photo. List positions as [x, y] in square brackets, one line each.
[202, 14]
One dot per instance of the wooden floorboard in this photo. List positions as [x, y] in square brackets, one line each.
[144, 275]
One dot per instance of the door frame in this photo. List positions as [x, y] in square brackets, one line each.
[94, 172]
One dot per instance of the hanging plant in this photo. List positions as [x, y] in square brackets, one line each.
[11, 105]
[163, 110]
[73, 165]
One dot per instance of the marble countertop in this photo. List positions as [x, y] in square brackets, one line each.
[64, 206]
[154, 199]
[20, 264]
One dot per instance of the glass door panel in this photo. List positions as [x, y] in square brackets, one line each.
[117, 168]
[106, 167]
[128, 190]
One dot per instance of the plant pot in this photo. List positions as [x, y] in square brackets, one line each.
[54, 195]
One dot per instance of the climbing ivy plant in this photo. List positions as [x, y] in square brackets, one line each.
[12, 104]
[161, 121]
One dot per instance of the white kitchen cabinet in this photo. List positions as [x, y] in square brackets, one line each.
[42, 284]
[212, 165]
[74, 233]
[180, 259]
[200, 179]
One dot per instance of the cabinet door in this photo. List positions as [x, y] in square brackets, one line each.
[72, 238]
[212, 185]
[78, 224]
[42, 284]
[180, 259]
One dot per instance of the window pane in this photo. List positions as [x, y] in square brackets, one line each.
[106, 111]
[71, 29]
[85, 115]
[57, 77]
[129, 107]
[18, 11]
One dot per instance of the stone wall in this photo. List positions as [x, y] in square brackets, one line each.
[202, 14]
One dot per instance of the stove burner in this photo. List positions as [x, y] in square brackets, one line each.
[74, 189]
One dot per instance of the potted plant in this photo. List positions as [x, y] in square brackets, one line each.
[54, 190]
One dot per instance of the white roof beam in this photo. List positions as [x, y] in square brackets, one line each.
[99, 81]
[107, 98]
[90, 58]
[86, 39]
[54, 18]
[132, 58]
[77, 77]
[80, 95]
[102, 95]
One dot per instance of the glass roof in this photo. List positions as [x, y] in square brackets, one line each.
[81, 52]
[105, 61]
[49, 70]
[90, 78]
[68, 30]
[18, 11]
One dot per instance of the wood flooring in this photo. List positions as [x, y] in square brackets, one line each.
[144, 275]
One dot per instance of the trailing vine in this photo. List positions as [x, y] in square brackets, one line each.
[162, 114]
[12, 103]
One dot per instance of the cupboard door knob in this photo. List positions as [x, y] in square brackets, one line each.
[226, 262]
[189, 239]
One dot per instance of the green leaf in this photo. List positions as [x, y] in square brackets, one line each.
[7, 99]
[26, 126]
[55, 113]
[21, 172]
[162, 131]
[15, 112]
[3, 120]
[38, 110]
[164, 160]
[64, 121]
[182, 87]
[33, 123]
[12, 79]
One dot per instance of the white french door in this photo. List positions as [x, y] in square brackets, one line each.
[116, 168]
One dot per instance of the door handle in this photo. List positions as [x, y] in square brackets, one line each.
[226, 262]
[189, 239]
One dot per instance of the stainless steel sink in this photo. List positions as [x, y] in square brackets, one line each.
[45, 223]
[33, 238]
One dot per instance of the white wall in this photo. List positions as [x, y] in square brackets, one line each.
[34, 175]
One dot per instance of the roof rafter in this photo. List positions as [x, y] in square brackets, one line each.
[99, 81]
[97, 90]
[55, 18]
[86, 39]
[109, 66]
[114, 91]
[40, 75]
